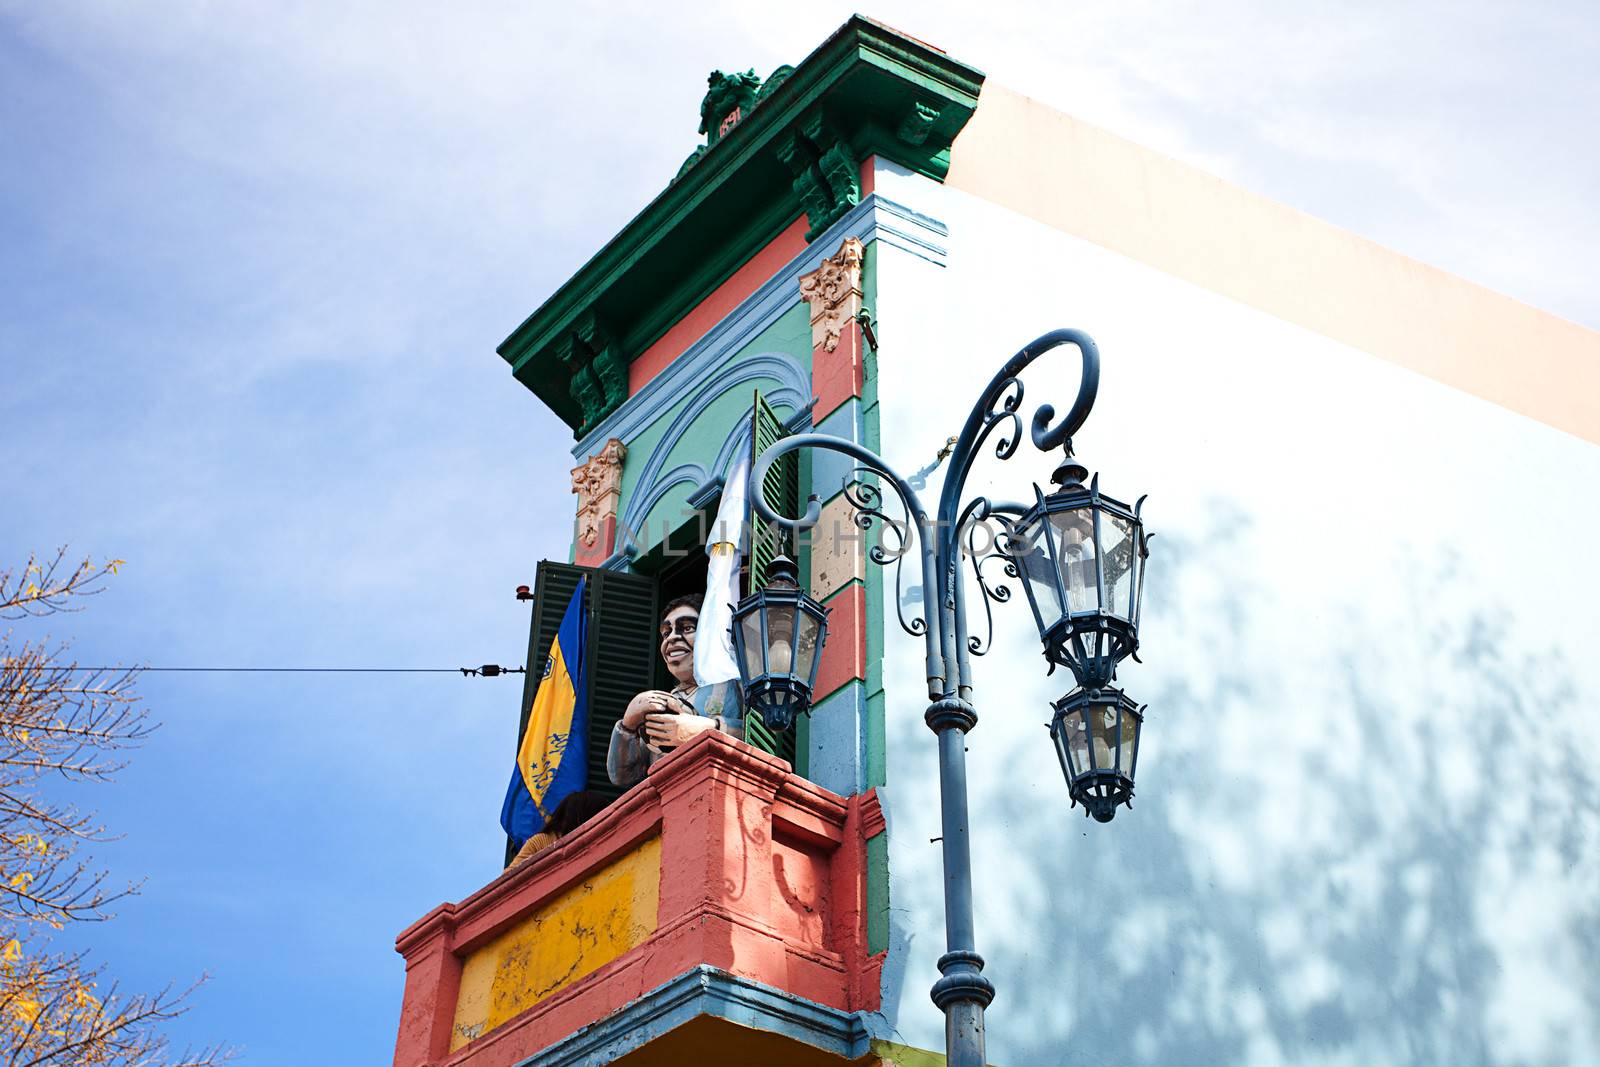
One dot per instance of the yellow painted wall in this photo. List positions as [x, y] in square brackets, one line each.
[892, 1055]
[571, 936]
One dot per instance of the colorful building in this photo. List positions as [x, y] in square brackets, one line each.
[1367, 800]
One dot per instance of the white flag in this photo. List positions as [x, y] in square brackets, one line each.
[713, 647]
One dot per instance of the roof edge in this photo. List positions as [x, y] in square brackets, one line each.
[794, 149]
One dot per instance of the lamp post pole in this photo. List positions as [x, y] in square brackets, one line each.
[962, 992]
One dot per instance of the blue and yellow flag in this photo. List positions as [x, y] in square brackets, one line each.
[552, 761]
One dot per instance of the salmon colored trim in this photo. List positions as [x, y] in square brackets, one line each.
[844, 656]
[723, 299]
[603, 546]
[1022, 155]
[836, 375]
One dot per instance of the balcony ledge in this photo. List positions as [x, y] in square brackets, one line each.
[724, 894]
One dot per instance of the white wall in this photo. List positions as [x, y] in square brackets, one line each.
[1367, 809]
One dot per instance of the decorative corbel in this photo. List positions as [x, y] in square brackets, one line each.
[799, 156]
[918, 123]
[827, 175]
[609, 368]
[583, 386]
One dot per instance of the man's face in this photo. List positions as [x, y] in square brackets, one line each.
[677, 641]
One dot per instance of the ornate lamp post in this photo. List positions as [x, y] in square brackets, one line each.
[777, 641]
[1080, 556]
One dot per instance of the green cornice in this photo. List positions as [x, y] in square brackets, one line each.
[868, 90]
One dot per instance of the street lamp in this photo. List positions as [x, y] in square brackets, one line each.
[1080, 556]
[1096, 732]
[777, 635]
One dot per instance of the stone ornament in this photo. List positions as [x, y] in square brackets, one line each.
[728, 101]
[598, 484]
[834, 292]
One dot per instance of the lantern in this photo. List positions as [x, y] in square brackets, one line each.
[778, 632]
[1096, 732]
[1080, 556]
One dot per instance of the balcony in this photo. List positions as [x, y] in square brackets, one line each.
[717, 907]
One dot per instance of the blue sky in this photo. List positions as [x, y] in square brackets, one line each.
[254, 260]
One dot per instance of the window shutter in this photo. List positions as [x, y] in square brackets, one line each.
[621, 656]
[552, 591]
[781, 490]
[624, 612]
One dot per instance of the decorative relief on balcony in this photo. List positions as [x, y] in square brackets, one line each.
[598, 484]
[834, 292]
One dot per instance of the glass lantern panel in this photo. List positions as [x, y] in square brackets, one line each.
[1130, 742]
[754, 648]
[1038, 573]
[1116, 549]
[1138, 578]
[1074, 742]
[1103, 736]
[807, 658]
[780, 638]
[1074, 535]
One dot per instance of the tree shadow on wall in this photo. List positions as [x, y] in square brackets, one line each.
[1381, 853]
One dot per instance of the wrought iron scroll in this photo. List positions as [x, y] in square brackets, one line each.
[866, 502]
[1009, 399]
[977, 515]
[1047, 437]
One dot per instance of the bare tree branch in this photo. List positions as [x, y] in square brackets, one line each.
[61, 723]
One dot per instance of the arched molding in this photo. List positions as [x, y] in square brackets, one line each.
[656, 481]
[876, 218]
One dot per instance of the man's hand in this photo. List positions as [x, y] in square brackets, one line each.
[667, 730]
[651, 700]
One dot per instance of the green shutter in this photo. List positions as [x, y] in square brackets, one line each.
[552, 592]
[621, 654]
[622, 659]
[781, 490]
